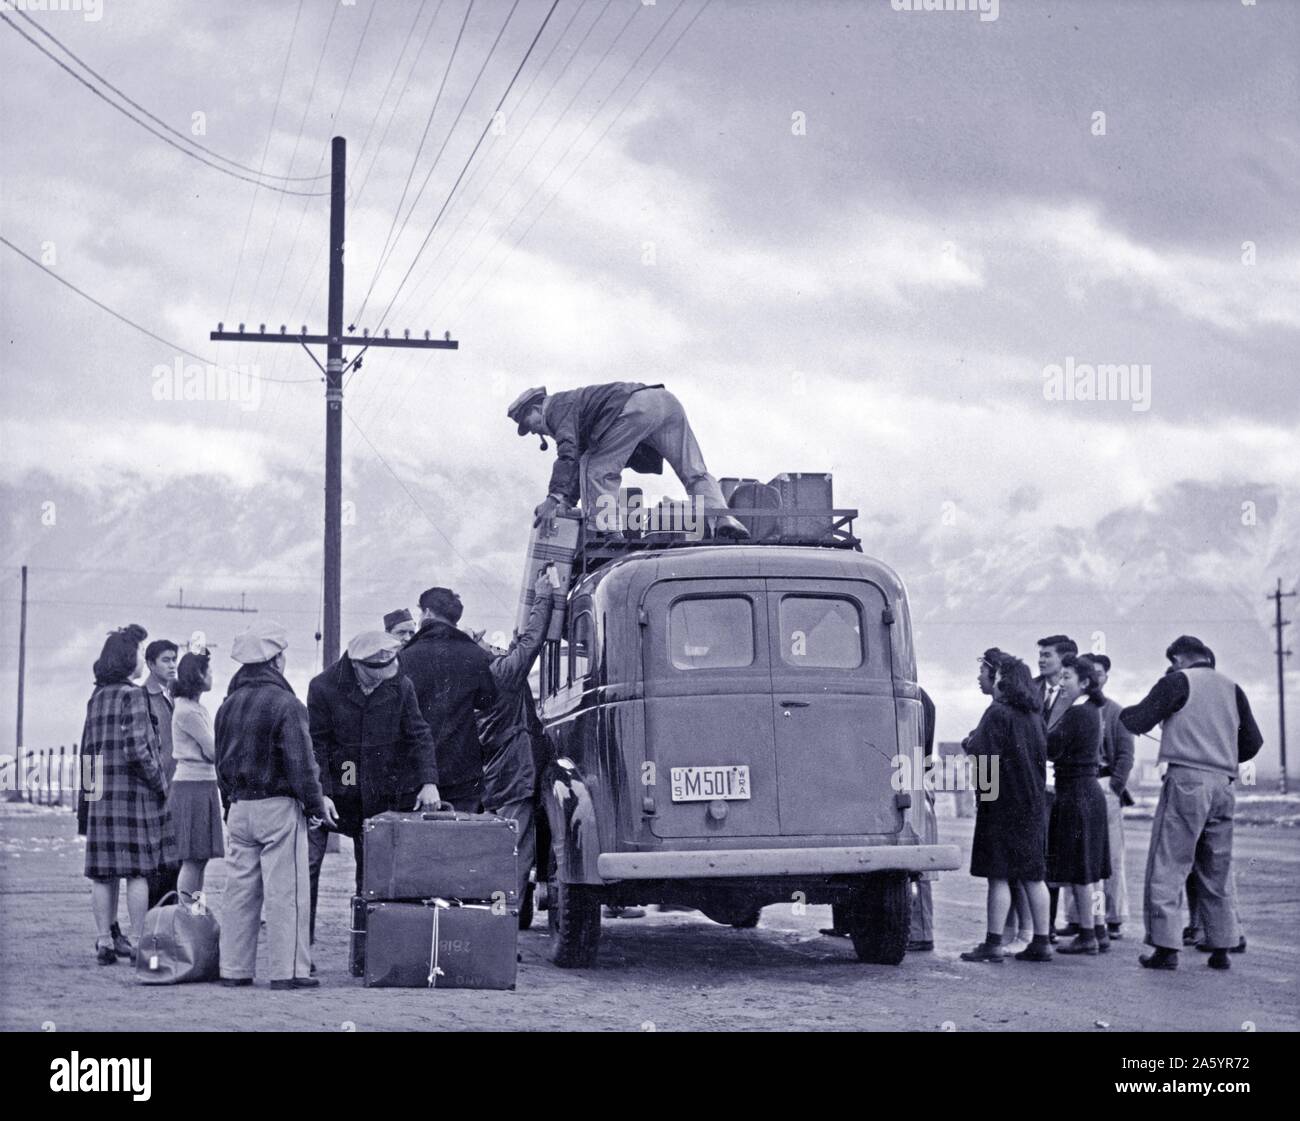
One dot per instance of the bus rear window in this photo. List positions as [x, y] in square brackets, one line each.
[820, 631]
[715, 633]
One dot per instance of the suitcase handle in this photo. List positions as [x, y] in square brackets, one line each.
[442, 811]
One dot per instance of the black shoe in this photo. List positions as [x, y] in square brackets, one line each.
[1102, 935]
[1081, 944]
[313, 969]
[296, 983]
[1036, 951]
[236, 982]
[1206, 948]
[1070, 930]
[1219, 959]
[121, 943]
[1191, 935]
[918, 946]
[1161, 959]
[105, 955]
[984, 952]
[1115, 930]
[833, 932]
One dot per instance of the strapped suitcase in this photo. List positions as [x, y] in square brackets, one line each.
[443, 854]
[438, 946]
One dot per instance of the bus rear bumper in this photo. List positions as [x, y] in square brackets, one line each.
[722, 863]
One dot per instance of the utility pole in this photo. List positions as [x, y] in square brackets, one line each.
[334, 369]
[20, 770]
[1277, 596]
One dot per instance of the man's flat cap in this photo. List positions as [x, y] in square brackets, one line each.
[523, 403]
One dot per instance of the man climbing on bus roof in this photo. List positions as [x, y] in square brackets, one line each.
[601, 429]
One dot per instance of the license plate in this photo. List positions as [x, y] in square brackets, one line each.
[704, 784]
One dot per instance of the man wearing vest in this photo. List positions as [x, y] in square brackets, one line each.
[1207, 730]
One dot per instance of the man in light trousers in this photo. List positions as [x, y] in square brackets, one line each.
[1207, 729]
[269, 781]
[601, 429]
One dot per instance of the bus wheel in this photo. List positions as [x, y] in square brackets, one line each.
[574, 919]
[879, 918]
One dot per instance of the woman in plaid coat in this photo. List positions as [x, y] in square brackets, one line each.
[128, 831]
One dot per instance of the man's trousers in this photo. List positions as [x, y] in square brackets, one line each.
[1191, 833]
[267, 862]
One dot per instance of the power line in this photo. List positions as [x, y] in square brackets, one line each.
[446, 139]
[132, 323]
[157, 120]
[147, 127]
[578, 166]
[483, 136]
[266, 147]
[536, 152]
[302, 123]
[415, 160]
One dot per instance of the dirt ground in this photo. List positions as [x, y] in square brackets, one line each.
[665, 972]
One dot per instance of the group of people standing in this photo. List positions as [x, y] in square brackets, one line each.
[1065, 752]
[418, 715]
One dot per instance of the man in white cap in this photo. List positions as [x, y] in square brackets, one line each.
[373, 747]
[269, 782]
[601, 429]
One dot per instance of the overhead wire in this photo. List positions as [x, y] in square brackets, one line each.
[148, 127]
[464, 104]
[419, 150]
[477, 144]
[536, 152]
[586, 155]
[158, 120]
[132, 323]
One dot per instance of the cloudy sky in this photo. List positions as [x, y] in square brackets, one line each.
[849, 238]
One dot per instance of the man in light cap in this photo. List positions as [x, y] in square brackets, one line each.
[400, 623]
[601, 429]
[1207, 729]
[270, 785]
[373, 747]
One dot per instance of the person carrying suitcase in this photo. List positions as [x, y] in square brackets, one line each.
[373, 748]
[509, 773]
[452, 684]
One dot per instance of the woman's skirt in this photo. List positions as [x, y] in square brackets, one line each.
[1078, 845]
[196, 818]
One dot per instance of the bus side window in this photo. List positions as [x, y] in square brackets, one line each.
[580, 647]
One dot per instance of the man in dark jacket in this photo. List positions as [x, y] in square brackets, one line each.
[601, 429]
[452, 683]
[268, 779]
[373, 748]
[1207, 730]
[509, 771]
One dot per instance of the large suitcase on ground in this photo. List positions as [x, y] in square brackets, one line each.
[440, 853]
[416, 945]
